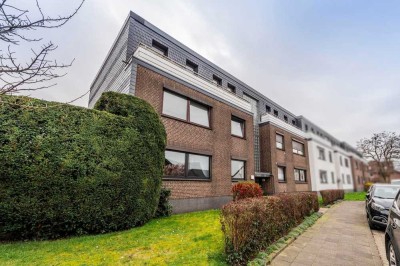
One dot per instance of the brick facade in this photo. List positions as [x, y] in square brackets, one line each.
[216, 142]
[359, 174]
[271, 158]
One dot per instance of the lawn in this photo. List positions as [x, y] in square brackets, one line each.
[190, 239]
[355, 196]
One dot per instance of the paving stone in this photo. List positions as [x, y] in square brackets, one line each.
[340, 237]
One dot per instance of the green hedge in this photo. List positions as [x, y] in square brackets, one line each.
[66, 170]
[331, 195]
[251, 225]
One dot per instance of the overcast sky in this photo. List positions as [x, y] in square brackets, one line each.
[334, 62]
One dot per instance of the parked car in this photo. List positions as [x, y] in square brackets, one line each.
[379, 199]
[392, 233]
[395, 182]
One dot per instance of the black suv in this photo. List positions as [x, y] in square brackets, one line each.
[378, 201]
[392, 234]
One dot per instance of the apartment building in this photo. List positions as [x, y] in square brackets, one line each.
[219, 129]
[334, 164]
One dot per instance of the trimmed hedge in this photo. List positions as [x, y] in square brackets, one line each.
[67, 170]
[247, 189]
[251, 225]
[331, 195]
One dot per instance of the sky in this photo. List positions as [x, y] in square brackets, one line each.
[335, 62]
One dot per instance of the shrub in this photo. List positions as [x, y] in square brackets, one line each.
[252, 224]
[331, 195]
[245, 190]
[367, 185]
[67, 170]
[164, 208]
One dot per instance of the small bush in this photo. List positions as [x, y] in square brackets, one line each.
[367, 185]
[245, 190]
[164, 207]
[331, 195]
[252, 224]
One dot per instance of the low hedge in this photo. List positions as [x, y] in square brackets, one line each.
[251, 225]
[247, 189]
[67, 170]
[331, 195]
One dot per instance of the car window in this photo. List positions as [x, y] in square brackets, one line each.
[396, 182]
[386, 192]
[398, 200]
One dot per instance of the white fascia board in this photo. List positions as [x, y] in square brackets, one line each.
[166, 65]
[283, 125]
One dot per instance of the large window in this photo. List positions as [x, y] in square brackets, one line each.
[186, 165]
[330, 156]
[237, 169]
[321, 153]
[300, 175]
[298, 148]
[237, 127]
[281, 174]
[323, 176]
[346, 162]
[279, 141]
[183, 108]
[333, 177]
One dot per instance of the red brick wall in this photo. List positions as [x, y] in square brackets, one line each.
[271, 157]
[358, 173]
[216, 141]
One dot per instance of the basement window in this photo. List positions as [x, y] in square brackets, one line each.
[160, 48]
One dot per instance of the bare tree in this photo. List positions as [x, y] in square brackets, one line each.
[384, 149]
[34, 73]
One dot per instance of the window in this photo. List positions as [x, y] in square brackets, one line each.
[217, 80]
[276, 113]
[344, 181]
[160, 48]
[237, 127]
[306, 127]
[333, 177]
[341, 163]
[298, 148]
[321, 153]
[237, 169]
[293, 122]
[281, 174]
[268, 109]
[192, 66]
[323, 177]
[285, 118]
[183, 108]
[346, 162]
[356, 165]
[330, 156]
[186, 165]
[231, 88]
[299, 175]
[348, 179]
[359, 179]
[279, 141]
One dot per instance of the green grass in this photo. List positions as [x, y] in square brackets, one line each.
[189, 239]
[355, 196]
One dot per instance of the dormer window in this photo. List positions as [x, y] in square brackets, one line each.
[217, 80]
[160, 48]
[285, 118]
[231, 88]
[276, 113]
[268, 108]
[293, 122]
[192, 66]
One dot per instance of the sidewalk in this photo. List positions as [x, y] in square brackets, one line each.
[340, 237]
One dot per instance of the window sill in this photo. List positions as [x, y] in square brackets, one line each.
[185, 121]
[238, 137]
[301, 182]
[185, 179]
[280, 181]
[299, 155]
[238, 180]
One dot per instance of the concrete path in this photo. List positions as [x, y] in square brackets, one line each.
[340, 237]
[379, 236]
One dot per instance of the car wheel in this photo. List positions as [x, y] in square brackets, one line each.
[392, 255]
[370, 223]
